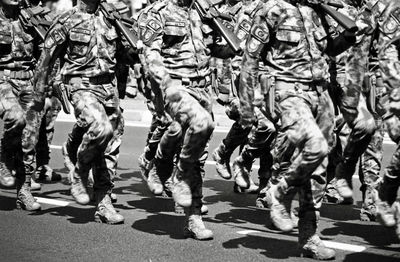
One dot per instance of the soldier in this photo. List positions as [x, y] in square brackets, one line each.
[88, 47]
[19, 49]
[382, 34]
[290, 36]
[177, 53]
[262, 136]
[361, 122]
[44, 173]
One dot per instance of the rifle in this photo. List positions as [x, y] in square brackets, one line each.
[207, 11]
[30, 18]
[112, 13]
[347, 23]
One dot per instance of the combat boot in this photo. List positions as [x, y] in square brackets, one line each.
[154, 182]
[221, 158]
[145, 166]
[35, 186]
[78, 189]
[181, 191]
[195, 227]
[310, 245]
[332, 195]
[368, 208]
[105, 212]
[280, 213]
[253, 189]
[7, 179]
[315, 248]
[343, 188]
[241, 173]
[25, 200]
[385, 214]
[45, 173]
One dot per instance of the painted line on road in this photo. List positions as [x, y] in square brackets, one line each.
[330, 244]
[53, 202]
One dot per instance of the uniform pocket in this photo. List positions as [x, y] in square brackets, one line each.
[81, 40]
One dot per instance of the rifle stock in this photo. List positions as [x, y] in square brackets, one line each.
[206, 11]
[111, 14]
[342, 19]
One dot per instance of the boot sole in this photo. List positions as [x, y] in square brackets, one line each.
[189, 234]
[313, 256]
[101, 220]
[21, 206]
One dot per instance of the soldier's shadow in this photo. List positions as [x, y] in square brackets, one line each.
[362, 257]
[161, 224]
[270, 247]
[7, 203]
[73, 214]
[381, 236]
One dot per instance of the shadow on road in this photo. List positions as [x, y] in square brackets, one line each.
[374, 234]
[340, 212]
[73, 214]
[269, 247]
[364, 257]
[161, 224]
[7, 203]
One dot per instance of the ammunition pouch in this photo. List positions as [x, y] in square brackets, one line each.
[62, 92]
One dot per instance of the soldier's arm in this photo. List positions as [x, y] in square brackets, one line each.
[152, 37]
[259, 36]
[54, 45]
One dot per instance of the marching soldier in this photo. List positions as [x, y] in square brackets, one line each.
[177, 53]
[88, 46]
[290, 36]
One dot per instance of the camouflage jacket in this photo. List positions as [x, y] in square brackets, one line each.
[86, 44]
[177, 43]
[291, 39]
[382, 30]
[18, 48]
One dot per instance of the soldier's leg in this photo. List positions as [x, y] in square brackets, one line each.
[310, 200]
[235, 137]
[43, 171]
[362, 130]
[98, 131]
[29, 141]
[259, 143]
[370, 167]
[197, 130]
[14, 122]
[301, 130]
[105, 170]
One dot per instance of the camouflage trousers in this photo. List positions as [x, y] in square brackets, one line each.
[24, 162]
[14, 121]
[51, 110]
[390, 68]
[95, 140]
[302, 145]
[191, 110]
[362, 126]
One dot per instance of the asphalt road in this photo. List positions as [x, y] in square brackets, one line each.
[65, 231]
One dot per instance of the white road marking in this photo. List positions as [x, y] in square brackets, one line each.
[344, 246]
[53, 202]
[55, 147]
[330, 244]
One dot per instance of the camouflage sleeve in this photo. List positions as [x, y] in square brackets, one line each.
[53, 47]
[259, 36]
[152, 38]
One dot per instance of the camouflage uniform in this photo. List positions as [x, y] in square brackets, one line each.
[17, 56]
[88, 48]
[382, 34]
[177, 56]
[293, 40]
